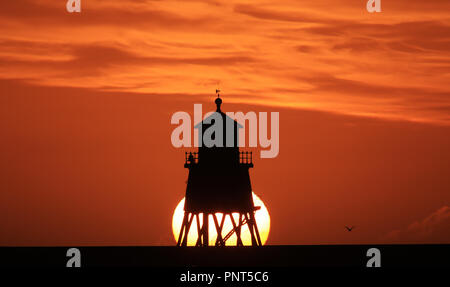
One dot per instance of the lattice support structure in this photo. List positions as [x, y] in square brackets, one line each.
[245, 219]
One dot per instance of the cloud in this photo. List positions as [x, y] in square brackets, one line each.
[412, 36]
[267, 14]
[98, 59]
[111, 13]
[305, 49]
[435, 228]
[288, 53]
[103, 56]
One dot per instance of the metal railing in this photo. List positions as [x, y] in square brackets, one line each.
[245, 157]
[191, 157]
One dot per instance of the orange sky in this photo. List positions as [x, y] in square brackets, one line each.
[86, 100]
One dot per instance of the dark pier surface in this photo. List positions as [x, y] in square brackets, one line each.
[354, 256]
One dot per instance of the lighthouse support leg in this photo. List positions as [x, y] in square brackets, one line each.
[255, 227]
[199, 231]
[221, 227]
[219, 239]
[183, 226]
[251, 226]
[237, 229]
[187, 224]
[205, 230]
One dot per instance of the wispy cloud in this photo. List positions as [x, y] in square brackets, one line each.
[341, 59]
[435, 228]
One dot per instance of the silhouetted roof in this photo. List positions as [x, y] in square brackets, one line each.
[227, 118]
[218, 102]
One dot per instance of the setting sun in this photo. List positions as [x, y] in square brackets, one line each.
[262, 220]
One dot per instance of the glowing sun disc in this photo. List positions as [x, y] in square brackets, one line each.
[262, 218]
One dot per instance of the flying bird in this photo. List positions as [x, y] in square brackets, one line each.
[349, 228]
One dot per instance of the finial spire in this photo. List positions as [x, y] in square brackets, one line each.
[218, 101]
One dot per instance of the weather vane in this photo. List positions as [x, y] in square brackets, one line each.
[217, 92]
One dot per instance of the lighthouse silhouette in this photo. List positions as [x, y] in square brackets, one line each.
[219, 182]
